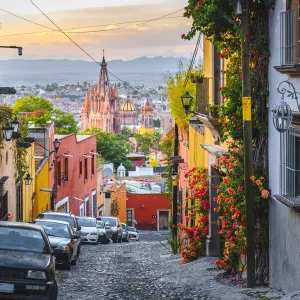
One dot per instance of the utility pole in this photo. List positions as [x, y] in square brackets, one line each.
[175, 192]
[248, 155]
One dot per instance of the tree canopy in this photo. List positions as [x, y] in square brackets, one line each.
[148, 141]
[113, 148]
[42, 111]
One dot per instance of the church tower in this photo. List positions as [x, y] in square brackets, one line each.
[101, 107]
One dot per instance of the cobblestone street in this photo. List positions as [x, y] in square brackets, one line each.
[141, 270]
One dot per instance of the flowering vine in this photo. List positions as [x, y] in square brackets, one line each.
[196, 235]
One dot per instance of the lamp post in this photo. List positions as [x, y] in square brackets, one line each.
[242, 10]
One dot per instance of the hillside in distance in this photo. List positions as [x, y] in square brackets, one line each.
[19, 72]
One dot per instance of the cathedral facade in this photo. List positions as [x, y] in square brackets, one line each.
[101, 106]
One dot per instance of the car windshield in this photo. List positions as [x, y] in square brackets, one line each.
[68, 219]
[111, 221]
[131, 229]
[22, 239]
[87, 222]
[55, 229]
[100, 224]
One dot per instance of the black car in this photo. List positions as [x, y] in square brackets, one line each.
[27, 264]
[61, 216]
[61, 237]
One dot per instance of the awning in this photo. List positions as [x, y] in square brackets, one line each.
[214, 150]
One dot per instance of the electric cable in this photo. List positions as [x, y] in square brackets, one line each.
[91, 57]
[139, 22]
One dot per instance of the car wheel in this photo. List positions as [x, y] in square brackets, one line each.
[114, 240]
[74, 261]
[107, 241]
[54, 291]
[120, 240]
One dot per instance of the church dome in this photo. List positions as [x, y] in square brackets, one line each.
[128, 106]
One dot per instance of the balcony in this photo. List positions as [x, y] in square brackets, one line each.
[208, 98]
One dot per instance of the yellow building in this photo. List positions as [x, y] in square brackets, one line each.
[29, 190]
[42, 178]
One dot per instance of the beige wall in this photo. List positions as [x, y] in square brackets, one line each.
[7, 168]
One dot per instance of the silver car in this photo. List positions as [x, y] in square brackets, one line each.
[89, 232]
[105, 232]
[133, 233]
[125, 233]
[115, 226]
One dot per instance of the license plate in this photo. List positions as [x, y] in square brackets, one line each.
[6, 288]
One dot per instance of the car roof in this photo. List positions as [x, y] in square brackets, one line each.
[57, 213]
[110, 217]
[92, 218]
[51, 221]
[19, 225]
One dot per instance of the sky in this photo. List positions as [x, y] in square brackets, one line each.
[156, 38]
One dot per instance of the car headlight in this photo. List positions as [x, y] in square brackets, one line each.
[66, 249]
[31, 274]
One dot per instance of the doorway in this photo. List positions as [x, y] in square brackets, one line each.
[163, 220]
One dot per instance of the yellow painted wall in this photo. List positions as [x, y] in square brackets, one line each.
[28, 190]
[143, 130]
[42, 199]
[197, 155]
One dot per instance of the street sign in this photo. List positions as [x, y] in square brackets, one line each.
[7, 91]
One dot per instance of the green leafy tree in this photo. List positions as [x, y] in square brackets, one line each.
[43, 111]
[148, 141]
[113, 148]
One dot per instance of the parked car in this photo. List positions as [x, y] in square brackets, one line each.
[27, 263]
[105, 232]
[61, 236]
[61, 216]
[89, 232]
[133, 233]
[125, 233]
[115, 226]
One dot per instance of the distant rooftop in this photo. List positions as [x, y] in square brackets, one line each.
[81, 137]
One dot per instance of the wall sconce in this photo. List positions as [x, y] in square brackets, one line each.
[28, 179]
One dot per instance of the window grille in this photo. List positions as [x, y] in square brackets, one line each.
[289, 37]
[290, 165]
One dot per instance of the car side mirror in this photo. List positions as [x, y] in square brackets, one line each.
[75, 236]
[57, 252]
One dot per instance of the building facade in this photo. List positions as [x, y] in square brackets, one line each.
[284, 179]
[76, 175]
[101, 106]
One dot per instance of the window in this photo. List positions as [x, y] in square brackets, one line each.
[85, 169]
[80, 168]
[87, 211]
[289, 34]
[66, 169]
[93, 165]
[290, 165]
[58, 174]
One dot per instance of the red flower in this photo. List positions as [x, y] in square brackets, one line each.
[183, 36]
[241, 76]
[234, 115]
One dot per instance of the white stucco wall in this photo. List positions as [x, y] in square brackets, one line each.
[284, 222]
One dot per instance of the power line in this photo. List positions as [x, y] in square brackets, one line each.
[192, 60]
[86, 51]
[138, 22]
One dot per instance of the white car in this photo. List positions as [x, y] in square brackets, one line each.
[89, 232]
[105, 232]
[133, 234]
[116, 227]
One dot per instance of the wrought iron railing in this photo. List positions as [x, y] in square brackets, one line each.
[207, 88]
[289, 37]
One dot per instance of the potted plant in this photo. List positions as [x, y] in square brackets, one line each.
[213, 110]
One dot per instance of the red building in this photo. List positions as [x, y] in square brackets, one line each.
[76, 175]
[148, 211]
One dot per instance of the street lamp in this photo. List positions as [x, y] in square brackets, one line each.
[187, 100]
[16, 125]
[8, 131]
[174, 175]
[56, 144]
[28, 179]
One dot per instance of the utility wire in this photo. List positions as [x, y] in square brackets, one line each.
[139, 22]
[86, 51]
[192, 60]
